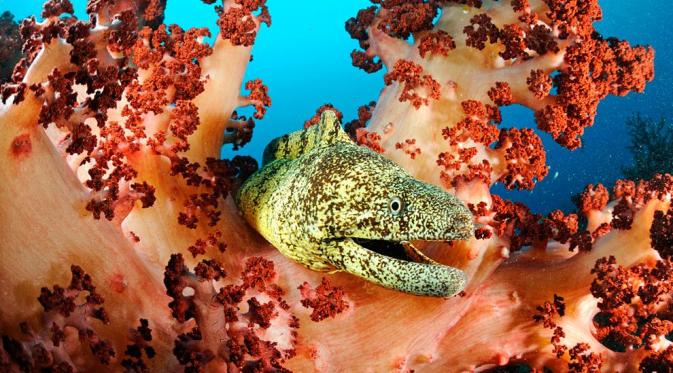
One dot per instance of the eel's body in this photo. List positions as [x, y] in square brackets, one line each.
[332, 205]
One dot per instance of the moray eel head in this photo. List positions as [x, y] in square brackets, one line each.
[368, 209]
[381, 201]
[332, 205]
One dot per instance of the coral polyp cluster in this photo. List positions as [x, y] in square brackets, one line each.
[112, 182]
[474, 59]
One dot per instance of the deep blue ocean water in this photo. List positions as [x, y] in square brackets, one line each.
[304, 59]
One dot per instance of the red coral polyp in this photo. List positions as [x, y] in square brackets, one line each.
[418, 88]
[326, 300]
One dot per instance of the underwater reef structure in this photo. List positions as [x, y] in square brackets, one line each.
[651, 147]
[121, 248]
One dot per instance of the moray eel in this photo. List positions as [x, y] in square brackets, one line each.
[332, 205]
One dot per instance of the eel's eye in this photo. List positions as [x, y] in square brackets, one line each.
[396, 205]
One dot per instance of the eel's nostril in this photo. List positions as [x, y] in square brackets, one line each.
[463, 226]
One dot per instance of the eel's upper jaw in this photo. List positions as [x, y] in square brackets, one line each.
[462, 228]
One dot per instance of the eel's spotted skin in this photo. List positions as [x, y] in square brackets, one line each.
[318, 193]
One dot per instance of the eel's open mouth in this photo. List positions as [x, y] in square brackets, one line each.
[391, 249]
[402, 250]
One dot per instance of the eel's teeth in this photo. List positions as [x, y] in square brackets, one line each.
[416, 255]
[428, 279]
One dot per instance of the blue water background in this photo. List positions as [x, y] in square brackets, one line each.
[304, 59]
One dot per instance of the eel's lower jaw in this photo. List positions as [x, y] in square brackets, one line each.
[412, 272]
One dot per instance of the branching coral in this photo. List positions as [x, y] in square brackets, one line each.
[110, 132]
[108, 125]
[47, 348]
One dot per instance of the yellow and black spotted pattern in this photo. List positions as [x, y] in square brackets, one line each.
[332, 205]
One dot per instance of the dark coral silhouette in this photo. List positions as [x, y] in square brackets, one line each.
[651, 147]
